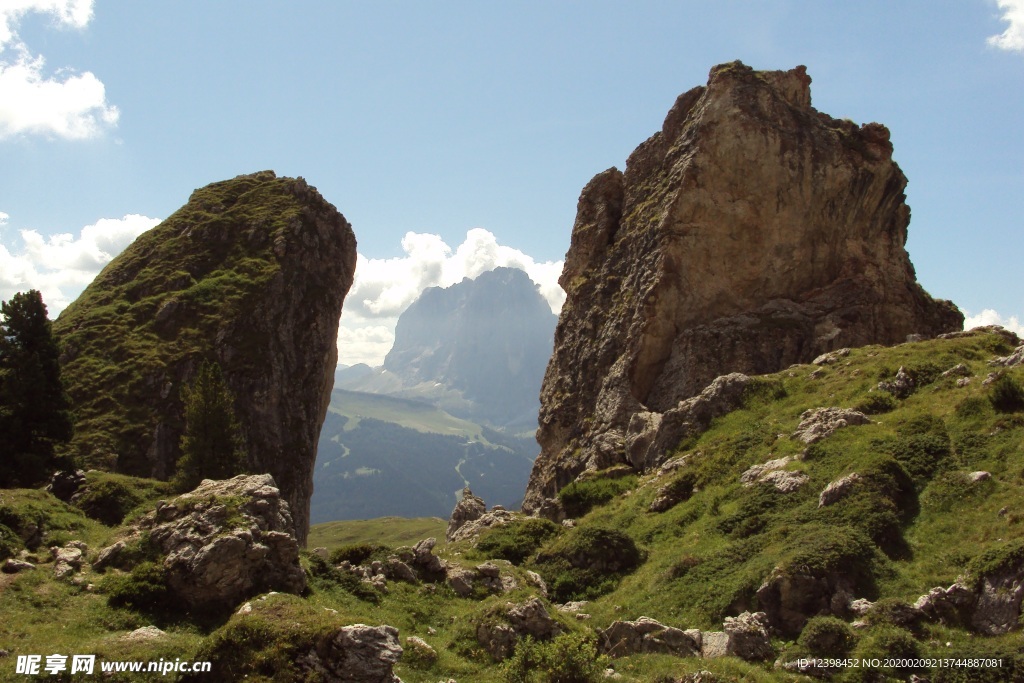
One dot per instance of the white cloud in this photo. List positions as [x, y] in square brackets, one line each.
[991, 317]
[68, 105]
[384, 288]
[3, 218]
[61, 266]
[1013, 37]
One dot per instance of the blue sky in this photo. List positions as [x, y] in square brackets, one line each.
[456, 136]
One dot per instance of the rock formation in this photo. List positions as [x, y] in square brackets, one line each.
[250, 273]
[219, 544]
[752, 232]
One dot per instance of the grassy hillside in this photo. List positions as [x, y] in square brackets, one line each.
[418, 415]
[917, 519]
[389, 531]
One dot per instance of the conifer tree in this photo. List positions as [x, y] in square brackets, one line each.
[34, 408]
[211, 447]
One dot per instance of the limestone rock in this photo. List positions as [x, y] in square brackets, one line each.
[820, 423]
[751, 233]
[141, 635]
[530, 618]
[900, 386]
[224, 542]
[645, 635]
[66, 561]
[997, 609]
[13, 566]
[1014, 359]
[757, 472]
[361, 654]
[789, 599]
[473, 528]
[65, 483]
[251, 273]
[468, 509]
[838, 489]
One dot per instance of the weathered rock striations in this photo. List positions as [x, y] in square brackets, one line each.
[250, 273]
[752, 232]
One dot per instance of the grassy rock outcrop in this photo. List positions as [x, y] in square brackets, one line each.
[251, 273]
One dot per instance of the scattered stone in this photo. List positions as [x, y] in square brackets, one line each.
[754, 474]
[419, 650]
[748, 636]
[860, 607]
[975, 477]
[819, 423]
[963, 382]
[645, 635]
[958, 370]
[831, 357]
[950, 605]
[900, 386]
[999, 597]
[1013, 360]
[357, 654]
[13, 566]
[785, 481]
[572, 607]
[991, 378]
[532, 618]
[66, 561]
[460, 580]
[146, 633]
[538, 581]
[789, 598]
[838, 490]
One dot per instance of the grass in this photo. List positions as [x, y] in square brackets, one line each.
[389, 531]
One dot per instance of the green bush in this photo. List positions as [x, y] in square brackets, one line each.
[972, 407]
[108, 501]
[587, 562]
[761, 391]
[889, 642]
[324, 577]
[922, 446]
[923, 372]
[877, 403]
[893, 612]
[568, 658]
[358, 553]
[580, 497]
[1006, 395]
[518, 540]
[10, 542]
[826, 636]
[144, 590]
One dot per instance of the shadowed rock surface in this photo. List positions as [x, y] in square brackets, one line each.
[752, 232]
[250, 273]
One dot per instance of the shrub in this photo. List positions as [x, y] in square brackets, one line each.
[358, 553]
[824, 636]
[972, 407]
[587, 562]
[325, 577]
[893, 612]
[924, 372]
[145, 590]
[876, 403]
[108, 501]
[517, 541]
[921, 446]
[1006, 395]
[580, 497]
[10, 543]
[889, 642]
[761, 391]
[568, 658]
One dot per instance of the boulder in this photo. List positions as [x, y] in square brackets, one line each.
[820, 423]
[789, 598]
[838, 489]
[750, 233]
[65, 483]
[645, 635]
[468, 509]
[357, 654]
[1013, 360]
[223, 542]
[900, 386]
[530, 618]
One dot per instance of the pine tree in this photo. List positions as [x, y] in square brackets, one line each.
[34, 408]
[211, 447]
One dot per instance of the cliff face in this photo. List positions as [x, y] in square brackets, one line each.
[750, 233]
[251, 273]
[488, 338]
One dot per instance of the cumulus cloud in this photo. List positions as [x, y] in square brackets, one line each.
[991, 317]
[1013, 37]
[384, 288]
[66, 104]
[61, 266]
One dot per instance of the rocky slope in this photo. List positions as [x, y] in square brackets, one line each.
[251, 273]
[750, 233]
